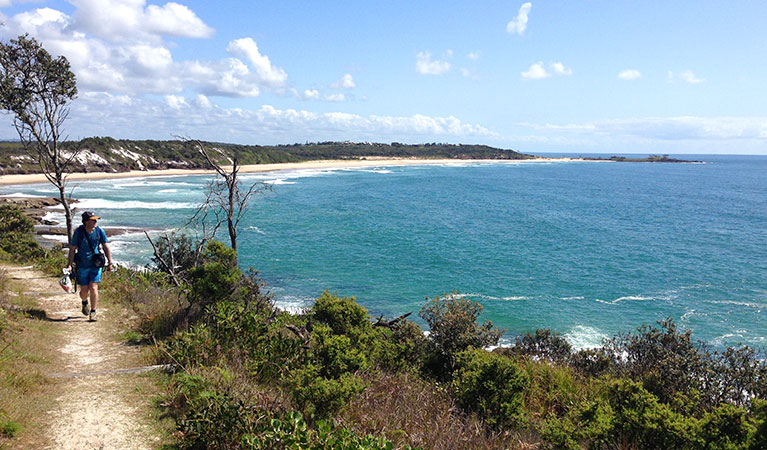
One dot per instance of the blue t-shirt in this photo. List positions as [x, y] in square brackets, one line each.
[80, 239]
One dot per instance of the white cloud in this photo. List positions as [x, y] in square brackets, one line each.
[346, 82]
[175, 101]
[473, 56]
[335, 97]
[248, 48]
[117, 46]
[518, 25]
[560, 69]
[537, 71]
[5, 3]
[123, 116]
[311, 94]
[689, 77]
[117, 20]
[425, 66]
[202, 101]
[176, 20]
[669, 128]
[630, 74]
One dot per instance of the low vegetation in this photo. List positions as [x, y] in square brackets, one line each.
[251, 376]
[105, 154]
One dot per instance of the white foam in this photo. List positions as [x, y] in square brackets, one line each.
[98, 203]
[293, 304]
[579, 297]
[23, 195]
[255, 228]
[490, 297]
[583, 337]
[167, 191]
[736, 303]
[55, 237]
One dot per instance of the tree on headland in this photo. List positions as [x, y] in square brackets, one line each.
[225, 199]
[36, 88]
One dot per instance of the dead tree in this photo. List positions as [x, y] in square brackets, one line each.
[224, 198]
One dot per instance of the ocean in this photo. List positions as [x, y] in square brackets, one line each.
[588, 249]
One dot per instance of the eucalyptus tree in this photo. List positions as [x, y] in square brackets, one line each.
[37, 88]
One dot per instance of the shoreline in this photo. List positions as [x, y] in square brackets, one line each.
[10, 180]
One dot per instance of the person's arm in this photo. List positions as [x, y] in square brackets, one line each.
[71, 257]
[108, 253]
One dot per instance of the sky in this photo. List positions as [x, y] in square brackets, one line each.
[568, 76]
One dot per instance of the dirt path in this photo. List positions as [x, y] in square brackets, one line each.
[97, 405]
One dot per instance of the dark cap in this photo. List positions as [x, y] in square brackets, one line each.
[87, 215]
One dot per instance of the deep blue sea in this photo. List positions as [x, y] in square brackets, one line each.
[588, 249]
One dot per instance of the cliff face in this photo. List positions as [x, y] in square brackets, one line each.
[111, 155]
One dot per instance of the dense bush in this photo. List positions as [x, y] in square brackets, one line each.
[453, 328]
[491, 385]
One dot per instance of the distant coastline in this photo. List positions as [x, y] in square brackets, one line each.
[6, 180]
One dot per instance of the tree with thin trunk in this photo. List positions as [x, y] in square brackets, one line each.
[36, 88]
[224, 197]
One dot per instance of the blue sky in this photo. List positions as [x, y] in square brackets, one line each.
[540, 76]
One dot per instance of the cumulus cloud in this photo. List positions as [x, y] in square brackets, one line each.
[174, 19]
[248, 48]
[537, 71]
[630, 74]
[518, 25]
[473, 56]
[346, 82]
[175, 101]
[123, 116]
[118, 46]
[425, 66]
[560, 69]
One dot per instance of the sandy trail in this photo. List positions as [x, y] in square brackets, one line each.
[90, 411]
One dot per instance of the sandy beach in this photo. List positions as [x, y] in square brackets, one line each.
[255, 168]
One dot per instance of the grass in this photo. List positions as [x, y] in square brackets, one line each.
[27, 351]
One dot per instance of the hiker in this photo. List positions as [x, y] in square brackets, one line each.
[90, 261]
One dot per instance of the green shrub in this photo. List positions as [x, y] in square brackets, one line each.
[216, 279]
[726, 428]
[9, 428]
[759, 411]
[490, 384]
[342, 315]
[323, 396]
[644, 421]
[292, 432]
[544, 344]
[13, 220]
[453, 328]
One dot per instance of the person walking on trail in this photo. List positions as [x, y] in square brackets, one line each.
[84, 250]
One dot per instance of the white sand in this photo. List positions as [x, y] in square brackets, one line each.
[368, 162]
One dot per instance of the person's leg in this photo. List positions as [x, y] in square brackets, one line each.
[94, 290]
[83, 282]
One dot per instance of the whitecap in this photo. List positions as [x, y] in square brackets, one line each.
[583, 337]
[736, 303]
[167, 191]
[255, 228]
[98, 204]
[23, 195]
[578, 297]
[293, 304]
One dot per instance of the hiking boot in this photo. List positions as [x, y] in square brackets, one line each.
[85, 309]
[92, 317]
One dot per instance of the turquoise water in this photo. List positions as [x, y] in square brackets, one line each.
[589, 249]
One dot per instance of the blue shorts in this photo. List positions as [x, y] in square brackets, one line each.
[88, 275]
